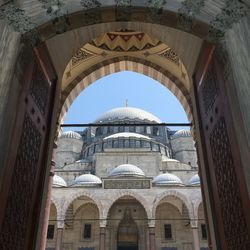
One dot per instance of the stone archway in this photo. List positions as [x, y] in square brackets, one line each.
[226, 128]
[129, 193]
[127, 222]
[85, 193]
[178, 195]
[131, 64]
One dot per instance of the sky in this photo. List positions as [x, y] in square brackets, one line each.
[113, 90]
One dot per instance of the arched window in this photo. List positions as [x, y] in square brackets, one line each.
[115, 144]
[137, 144]
[126, 144]
[132, 143]
[131, 128]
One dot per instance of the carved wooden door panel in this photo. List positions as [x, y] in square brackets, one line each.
[28, 155]
[229, 196]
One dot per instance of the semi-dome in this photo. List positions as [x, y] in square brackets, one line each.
[87, 180]
[127, 135]
[182, 133]
[194, 180]
[71, 135]
[166, 179]
[126, 170]
[129, 113]
[58, 181]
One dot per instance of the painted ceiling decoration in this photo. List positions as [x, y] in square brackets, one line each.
[81, 55]
[125, 41]
[171, 55]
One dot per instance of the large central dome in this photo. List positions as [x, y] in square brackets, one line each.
[127, 113]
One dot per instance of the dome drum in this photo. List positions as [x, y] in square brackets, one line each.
[126, 141]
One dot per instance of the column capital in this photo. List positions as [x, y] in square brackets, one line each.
[151, 223]
[194, 223]
[60, 224]
[103, 223]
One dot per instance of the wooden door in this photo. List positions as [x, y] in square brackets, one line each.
[22, 190]
[228, 192]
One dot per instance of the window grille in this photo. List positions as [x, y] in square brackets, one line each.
[168, 231]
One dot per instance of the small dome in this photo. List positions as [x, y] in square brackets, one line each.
[126, 170]
[127, 112]
[58, 181]
[166, 179]
[87, 180]
[182, 133]
[127, 135]
[71, 134]
[195, 180]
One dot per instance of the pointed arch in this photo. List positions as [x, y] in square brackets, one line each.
[78, 194]
[124, 63]
[176, 194]
[130, 193]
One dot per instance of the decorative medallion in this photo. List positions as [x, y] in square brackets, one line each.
[171, 56]
[80, 55]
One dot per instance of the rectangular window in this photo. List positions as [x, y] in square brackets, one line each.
[148, 130]
[203, 231]
[131, 128]
[87, 231]
[167, 231]
[50, 232]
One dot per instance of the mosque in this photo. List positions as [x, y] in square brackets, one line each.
[126, 187]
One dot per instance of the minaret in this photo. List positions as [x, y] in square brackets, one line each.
[126, 103]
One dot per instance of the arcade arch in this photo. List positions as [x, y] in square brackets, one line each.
[126, 221]
[82, 193]
[182, 199]
[131, 64]
[131, 194]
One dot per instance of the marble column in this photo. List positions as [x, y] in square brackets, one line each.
[102, 238]
[151, 231]
[59, 238]
[48, 202]
[195, 232]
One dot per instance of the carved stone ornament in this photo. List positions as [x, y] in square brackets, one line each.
[155, 9]
[191, 7]
[123, 3]
[90, 4]
[53, 7]
[230, 14]
[16, 17]
[126, 184]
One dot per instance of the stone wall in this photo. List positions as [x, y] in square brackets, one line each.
[184, 150]
[9, 85]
